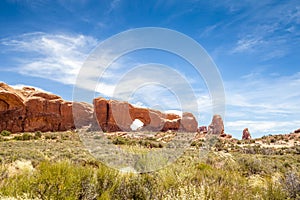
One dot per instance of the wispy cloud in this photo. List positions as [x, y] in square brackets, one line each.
[261, 127]
[264, 29]
[113, 5]
[247, 44]
[265, 104]
[52, 56]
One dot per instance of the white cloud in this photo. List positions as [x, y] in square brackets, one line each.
[266, 105]
[266, 31]
[52, 56]
[272, 95]
[247, 44]
[20, 86]
[259, 128]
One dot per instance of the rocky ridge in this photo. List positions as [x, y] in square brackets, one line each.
[28, 110]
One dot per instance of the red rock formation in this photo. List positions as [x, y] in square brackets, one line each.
[297, 131]
[246, 134]
[189, 122]
[202, 129]
[217, 126]
[226, 136]
[118, 116]
[32, 110]
[12, 111]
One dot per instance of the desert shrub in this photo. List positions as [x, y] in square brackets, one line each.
[123, 141]
[23, 137]
[5, 133]
[273, 140]
[297, 150]
[250, 166]
[106, 181]
[37, 135]
[273, 190]
[63, 180]
[150, 144]
[50, 136]
[203, 166]
[291, 184]
[16, 185]
[130, 186]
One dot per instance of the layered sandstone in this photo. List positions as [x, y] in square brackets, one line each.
[118, 116]
[28, 110]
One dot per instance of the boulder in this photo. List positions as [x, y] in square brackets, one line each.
[217, 126]
[246, 134]
[297, 131]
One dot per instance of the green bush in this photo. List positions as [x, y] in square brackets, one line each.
[120, 141]
[37, 135]
[24, 137]
[5, 133]
[51, 136]
[63, 181]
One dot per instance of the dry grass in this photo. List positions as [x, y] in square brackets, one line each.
[57, 166]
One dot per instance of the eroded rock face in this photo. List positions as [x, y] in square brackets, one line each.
[31, 110]
[118, 116]
[297, 131]
[217, 126]
[246, 134]
[189, 122]
[12, 111]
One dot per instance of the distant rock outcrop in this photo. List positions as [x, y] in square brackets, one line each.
[30, 110]
[118, 116]
[297, 131]
[202, 129]
[217, 126]
[246, 134]
[226, 136]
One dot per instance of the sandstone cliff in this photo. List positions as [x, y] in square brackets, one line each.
[27, 110]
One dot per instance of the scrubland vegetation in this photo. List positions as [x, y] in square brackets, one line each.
[57, 166]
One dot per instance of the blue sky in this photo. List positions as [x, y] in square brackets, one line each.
[254, 44]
